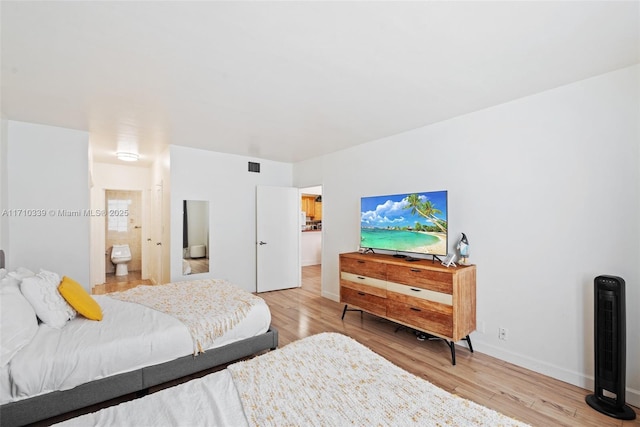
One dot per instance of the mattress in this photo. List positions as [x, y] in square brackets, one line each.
[129, 337]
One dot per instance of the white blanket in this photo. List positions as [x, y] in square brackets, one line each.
[332, 380]
[323, 380]
[209, 401]
[129, 337]
[209, 307]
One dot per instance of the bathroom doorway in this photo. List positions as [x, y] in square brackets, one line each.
[123, 226]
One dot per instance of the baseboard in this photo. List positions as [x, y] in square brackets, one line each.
[632, 396]
[331, 296]
[310, 261]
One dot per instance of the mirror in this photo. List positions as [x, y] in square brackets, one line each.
[195, 237]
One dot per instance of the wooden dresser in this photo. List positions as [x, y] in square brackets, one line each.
[423, 295]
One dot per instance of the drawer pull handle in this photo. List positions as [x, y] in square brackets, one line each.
[415, 270]
[415, 309]
[416, 290]
[360, 261]
[361, 293]
[360, 277]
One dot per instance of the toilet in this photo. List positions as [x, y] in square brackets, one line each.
[120, 256]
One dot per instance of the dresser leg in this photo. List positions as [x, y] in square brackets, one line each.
[468, 340]
[351, 309]
[452, 346]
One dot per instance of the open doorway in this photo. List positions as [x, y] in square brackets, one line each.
[123, 235]
[311, 238]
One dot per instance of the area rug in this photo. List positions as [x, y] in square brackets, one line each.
[332, 380]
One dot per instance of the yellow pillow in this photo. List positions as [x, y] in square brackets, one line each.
[79, 299]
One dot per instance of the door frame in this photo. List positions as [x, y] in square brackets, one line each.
[310, 189]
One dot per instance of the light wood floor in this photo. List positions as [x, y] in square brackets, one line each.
[115, 283]
[509, 389]
[514, 391]
[199, 265]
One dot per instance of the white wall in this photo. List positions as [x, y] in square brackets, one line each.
[4, 220]
[547, 189]
[224, 181]
[48, 172]
[310, 248]
[106, 176]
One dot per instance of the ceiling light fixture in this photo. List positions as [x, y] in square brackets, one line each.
[127, 157]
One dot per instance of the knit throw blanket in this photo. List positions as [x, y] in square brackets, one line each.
[208, 308]
[332, 380]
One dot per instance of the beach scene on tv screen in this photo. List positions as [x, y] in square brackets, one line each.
[411, 222]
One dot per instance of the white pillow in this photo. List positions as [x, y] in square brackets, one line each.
[41, 291]
[9, 281]
[20, 273]
[13, 278]
[18, 322]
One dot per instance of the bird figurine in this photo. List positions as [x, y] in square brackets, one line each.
[463, 248]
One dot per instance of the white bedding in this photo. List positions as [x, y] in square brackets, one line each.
[129, 337]
[208, 401]
[208, 307]
[323, 380]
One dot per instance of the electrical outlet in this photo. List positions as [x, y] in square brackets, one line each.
[502, 333]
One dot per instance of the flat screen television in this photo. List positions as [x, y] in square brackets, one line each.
[412, 223]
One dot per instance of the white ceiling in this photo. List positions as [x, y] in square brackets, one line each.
[288, 81]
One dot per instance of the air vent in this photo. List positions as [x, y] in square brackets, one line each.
[254, 167]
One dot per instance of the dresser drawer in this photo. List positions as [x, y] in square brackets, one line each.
[405, 293]
[358, 282]
[421, 278]
[376, 270]
[421, 318]
[370, 303]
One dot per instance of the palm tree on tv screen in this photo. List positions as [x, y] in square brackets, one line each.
[426, 209]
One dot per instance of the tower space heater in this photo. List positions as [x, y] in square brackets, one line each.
[610, 349]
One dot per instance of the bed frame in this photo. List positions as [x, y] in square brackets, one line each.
[49, 405]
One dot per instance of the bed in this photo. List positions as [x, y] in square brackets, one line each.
[145, 337]
[324, 379]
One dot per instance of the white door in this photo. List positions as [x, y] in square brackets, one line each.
[277, 238]
[155, 239]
